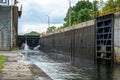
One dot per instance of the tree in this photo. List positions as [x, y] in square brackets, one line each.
[117, 2]
[95, 8]
[33, 33]
[110, 4]
[51, 29]
[84, 15]
[82, 11]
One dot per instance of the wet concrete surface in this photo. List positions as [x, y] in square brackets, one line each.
[38, 73]
[60, 68]
[14, 70]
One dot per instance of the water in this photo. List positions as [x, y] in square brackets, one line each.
[60, 68]
[25, 50]
[37, 47]
[26, 47]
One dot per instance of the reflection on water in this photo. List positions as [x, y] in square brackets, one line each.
[58, 67]
[107, 72]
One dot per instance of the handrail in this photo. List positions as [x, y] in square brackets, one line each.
[107, 12]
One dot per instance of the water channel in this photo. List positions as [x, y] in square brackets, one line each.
[58, 67]
[65, 70]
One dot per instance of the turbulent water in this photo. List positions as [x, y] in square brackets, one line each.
[60, 68]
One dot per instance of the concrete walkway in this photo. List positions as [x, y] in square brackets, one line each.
[14, 70]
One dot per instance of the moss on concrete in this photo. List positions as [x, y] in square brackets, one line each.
[2, 60]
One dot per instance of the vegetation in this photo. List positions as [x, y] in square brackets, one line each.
[85, 10]
[33, 72]
[14, 48]
[2, 60]
[51, 29]
[33, 33]
[81, 12]
[111, 4]
[31, 69]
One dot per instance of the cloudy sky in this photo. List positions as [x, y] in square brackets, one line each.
[34, 16]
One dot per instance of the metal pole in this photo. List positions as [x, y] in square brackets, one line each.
[69, 13]
[48, 17]
[48, 21]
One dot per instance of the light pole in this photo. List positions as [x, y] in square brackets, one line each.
[48, 20]
[69, 13]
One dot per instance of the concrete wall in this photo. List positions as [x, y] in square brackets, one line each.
[8, 27]
[77, 42]
[5, 27]
[117, 37]
[15, 26]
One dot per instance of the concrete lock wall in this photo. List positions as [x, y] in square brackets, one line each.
[117, 37]
[5, 27]
[8, 27]
[78, 42]
[15, 26]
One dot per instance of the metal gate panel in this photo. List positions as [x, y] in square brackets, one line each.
[104, 38]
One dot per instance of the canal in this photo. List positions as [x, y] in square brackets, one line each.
[59, 67]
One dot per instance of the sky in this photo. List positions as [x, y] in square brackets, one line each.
[35, 14]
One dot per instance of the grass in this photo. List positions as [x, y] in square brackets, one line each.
[15, 48]
[2, 60]
[32, 71]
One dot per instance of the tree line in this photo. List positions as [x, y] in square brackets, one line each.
[85, 10]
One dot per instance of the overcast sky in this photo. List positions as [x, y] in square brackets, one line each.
[34, 16]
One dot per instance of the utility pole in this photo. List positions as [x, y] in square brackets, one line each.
[48, 17]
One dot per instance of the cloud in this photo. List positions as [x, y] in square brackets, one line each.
[35, 11]
[26, 28]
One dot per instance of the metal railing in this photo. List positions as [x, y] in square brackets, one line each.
[107, 12]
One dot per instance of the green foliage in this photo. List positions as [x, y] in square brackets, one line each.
[33, 72]
[15, 48]
[31, 69]
[85, 10]
[109, 5]
[2, 60]
[51, 29]
[95, 8]
[33, 33]
[84, 15]
[82, 5]
[117, 2]
[82, 11]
